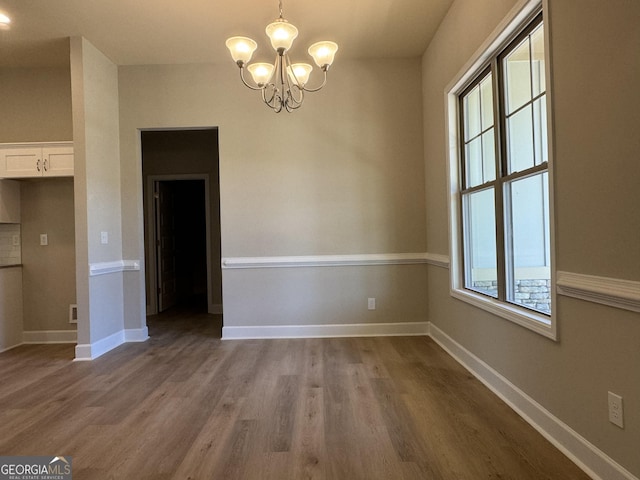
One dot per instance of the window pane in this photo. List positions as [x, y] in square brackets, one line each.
[486, 95]
[520, 133]
[488, 156]
[480, 242]
[540, 129]
[528, 244]
[472, 114]
[537, 61]
[518, 77]
[474, 162]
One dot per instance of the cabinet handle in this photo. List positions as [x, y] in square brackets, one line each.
[45, 165]
[38, 165]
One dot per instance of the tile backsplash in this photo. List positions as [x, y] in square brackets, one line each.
[10, 253]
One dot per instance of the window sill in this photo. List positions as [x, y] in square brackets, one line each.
[536, 322]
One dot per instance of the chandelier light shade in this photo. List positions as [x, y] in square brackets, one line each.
[5, 21]
[323, 52]
[282, 34]
[241, 48]
[282, 83]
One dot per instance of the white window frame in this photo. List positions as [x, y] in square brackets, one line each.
[519, 17]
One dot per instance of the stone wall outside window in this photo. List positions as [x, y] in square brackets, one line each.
[533, 293]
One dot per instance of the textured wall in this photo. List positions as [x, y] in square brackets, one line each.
[594, 71]
[343, 175]
[49, 280]
[36, 104]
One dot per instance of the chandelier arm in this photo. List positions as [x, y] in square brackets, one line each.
[264, 96]
[245, 82]
[273, 102]
[324, 82]
[297, 100]
[284, 78]
[278, 103]
[272, 87]
[291, 100]
[293, 106]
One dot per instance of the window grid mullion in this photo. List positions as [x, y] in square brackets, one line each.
[500, 151]
[525, 105]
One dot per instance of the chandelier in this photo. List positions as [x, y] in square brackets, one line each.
[282, 83]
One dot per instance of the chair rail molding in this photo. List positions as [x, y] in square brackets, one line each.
[332, 260]
[613, 292]
[438, 260]
[104, 268]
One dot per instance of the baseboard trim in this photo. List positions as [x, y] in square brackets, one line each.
[215, 308]
[6, 349]
[49, 336]
[85, 352]
[324, 331]
[585, 455]
[133, 335]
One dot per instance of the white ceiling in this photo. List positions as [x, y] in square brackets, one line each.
[132, 32]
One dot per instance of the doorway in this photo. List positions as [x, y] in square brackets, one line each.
[181, 245]
[182, 220]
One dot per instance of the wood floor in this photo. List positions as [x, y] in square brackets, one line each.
[185, 405]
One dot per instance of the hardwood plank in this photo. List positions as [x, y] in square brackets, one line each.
[185, 405]
[283, 415]
[310, 454]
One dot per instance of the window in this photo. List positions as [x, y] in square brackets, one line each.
[501, 208]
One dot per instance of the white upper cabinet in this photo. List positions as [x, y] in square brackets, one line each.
[36, 160]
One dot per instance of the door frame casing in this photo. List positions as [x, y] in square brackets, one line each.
[151, 241]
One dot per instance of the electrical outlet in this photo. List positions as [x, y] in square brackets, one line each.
[371, 303]
[616, 412]
[44, 239]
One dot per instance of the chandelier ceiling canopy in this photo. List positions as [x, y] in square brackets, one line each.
[282, 84]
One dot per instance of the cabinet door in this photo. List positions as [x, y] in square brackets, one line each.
[21, 162]
[57, 161]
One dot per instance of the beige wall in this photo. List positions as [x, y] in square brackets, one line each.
[49, 281]
[343, 175]
[10, 201]
[10, 307]
[595, 71]
[97, 193]
[325, 295]
[36, 104]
